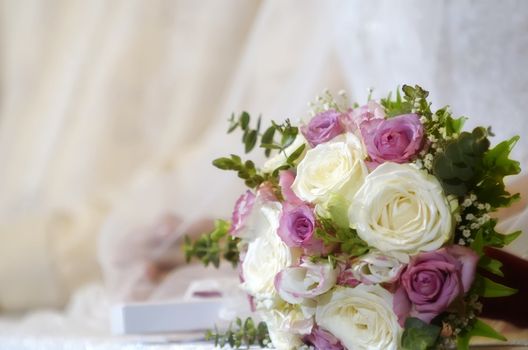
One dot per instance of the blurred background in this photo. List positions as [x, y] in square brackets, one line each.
[111, 112]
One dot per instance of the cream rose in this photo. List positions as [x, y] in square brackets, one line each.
[376, 267]
[283, 328]
[280, 158]
[360, 317]
[266, 254]
[336, 167]
[306, 281]
[401, 209]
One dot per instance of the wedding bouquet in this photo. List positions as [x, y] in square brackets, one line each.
[366, 227]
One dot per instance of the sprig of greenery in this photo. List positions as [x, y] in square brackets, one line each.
[244, 334]
[458, 167]
[486, 236]
[246, 170]
[210, 248]
[469, 164]
[333, 228]
[249, 135]
[414, 100]
[346, 240]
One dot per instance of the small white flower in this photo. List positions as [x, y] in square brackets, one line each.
[461, 242]
[467, 203]
[360, 317]
[470, 217]
[401, 209]
[466, 233]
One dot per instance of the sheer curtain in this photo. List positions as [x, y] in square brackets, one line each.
[110, 113]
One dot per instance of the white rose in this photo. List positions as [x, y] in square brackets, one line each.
[401, 209]
[376, 267]
[280, 158]
[266, 254]
[336, 167]
[308, 280]
[280, 330]
[360, 317]
[259, 219]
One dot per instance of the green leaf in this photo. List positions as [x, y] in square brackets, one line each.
[244, 120]
[296, 154]
[492, 265]
[250, 141]
[288, 137]
[224, 163]
[478, 243]
[497, 158]
[479, 329]
[482, 329]
[494, 238]
[459, 168]
[336, 208]
[490, 289]
[496, 165]
[213, 246]
[232, 124]
[267, 139]
[419, 335]
[454, 125]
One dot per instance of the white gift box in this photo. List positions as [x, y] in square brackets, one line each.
[166, 317]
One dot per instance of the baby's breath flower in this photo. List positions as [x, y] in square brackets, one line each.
[470, 217]
[467, 203]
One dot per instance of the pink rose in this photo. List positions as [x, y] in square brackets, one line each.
[323, 340]
[286, 179]
[297, 225]
[353, 119]
[243, 207]
[432, 281]
[396, 139]
[323, 127]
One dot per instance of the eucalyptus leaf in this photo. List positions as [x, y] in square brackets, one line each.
[296, 154]
[250, 141]
[244, 120]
